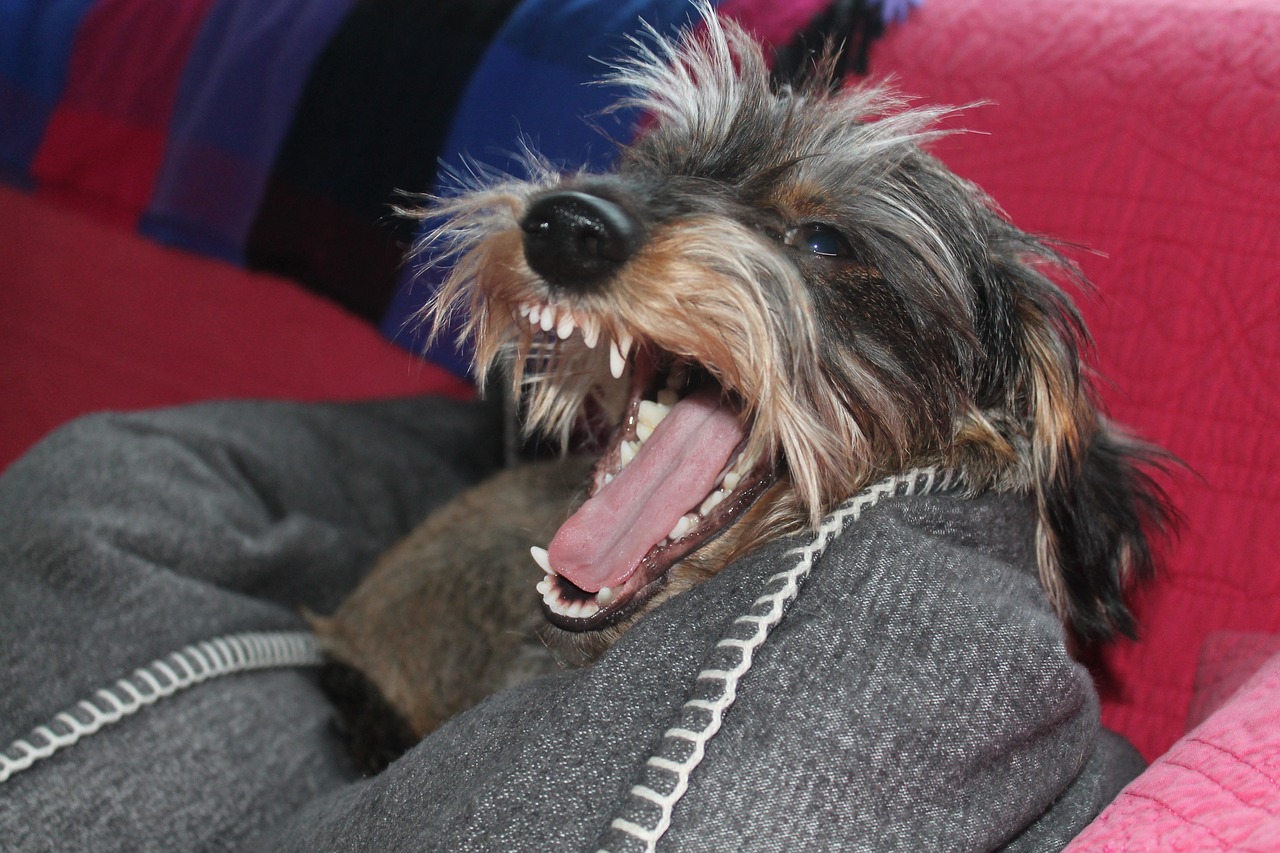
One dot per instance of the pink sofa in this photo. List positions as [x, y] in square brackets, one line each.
[1145, 132]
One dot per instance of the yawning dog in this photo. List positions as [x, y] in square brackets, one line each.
[775, 298]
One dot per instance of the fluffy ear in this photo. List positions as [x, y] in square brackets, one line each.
[1097, 500]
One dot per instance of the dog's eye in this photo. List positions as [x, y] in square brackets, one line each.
[820, 240]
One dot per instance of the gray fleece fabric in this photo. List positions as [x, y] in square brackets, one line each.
[910, 689]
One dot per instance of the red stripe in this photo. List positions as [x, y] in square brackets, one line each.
[105, 141]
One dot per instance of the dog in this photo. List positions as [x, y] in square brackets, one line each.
[776, 298]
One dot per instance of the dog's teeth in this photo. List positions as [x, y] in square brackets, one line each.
[534, 314]
[628, 451]
[590, 332]
[744, 466]
[608, 478]
[580, 609]
[548, 319]
[668, 397]
[575, 609]
[566, 326]
[652, 413]
[731, 481]
[605, 596]
[683, 526]
[542, 559]
[713, 500]
[648, 417]
[617, 361]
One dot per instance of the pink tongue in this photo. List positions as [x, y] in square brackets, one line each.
[604, 541]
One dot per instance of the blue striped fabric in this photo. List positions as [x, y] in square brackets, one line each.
[534, 81]
[36, 40]
[235, 105]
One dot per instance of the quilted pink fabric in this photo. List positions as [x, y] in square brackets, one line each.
[1147, 131]
[1216, 789]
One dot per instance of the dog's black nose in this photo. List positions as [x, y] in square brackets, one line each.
[576, 240]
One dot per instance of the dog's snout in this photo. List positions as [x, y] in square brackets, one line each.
[576, 240]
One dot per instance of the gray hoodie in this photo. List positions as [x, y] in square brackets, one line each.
[897, 682]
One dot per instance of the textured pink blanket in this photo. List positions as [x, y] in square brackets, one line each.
[1218, 788]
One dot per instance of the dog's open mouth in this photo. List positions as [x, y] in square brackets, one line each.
[674, 475]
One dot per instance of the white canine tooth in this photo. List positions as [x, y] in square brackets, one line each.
[713, 500]
[643, 431]
[566, 326]
[617, 361]
[605, 596]
[668, 397]
[628, 451]
[540, 557]
[535, 313]
[683, 526]
[590, 332]
[608, 478]
[548, 319]
[731, 481]
[651, 413]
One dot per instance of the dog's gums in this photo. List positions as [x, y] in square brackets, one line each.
[675, 473]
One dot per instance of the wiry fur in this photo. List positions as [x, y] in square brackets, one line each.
[937, 335]
[946, 342]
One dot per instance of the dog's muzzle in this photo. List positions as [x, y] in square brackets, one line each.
[576, 240]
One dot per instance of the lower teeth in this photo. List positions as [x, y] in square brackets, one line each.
[578, 609]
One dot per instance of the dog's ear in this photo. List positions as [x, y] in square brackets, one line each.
[1097, 500]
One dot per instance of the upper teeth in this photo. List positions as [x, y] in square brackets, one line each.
[564, 322]
[618, 352]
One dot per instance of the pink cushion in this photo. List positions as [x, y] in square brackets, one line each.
[93, 317]
[1218, 788]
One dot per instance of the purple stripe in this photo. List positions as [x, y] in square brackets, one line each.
[237, 99]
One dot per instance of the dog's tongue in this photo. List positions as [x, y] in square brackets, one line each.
[604, 541]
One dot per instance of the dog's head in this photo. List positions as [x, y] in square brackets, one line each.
[777, 293]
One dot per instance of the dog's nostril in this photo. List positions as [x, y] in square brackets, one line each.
[575, 239]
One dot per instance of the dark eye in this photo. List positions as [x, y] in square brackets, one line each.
[820, 240]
